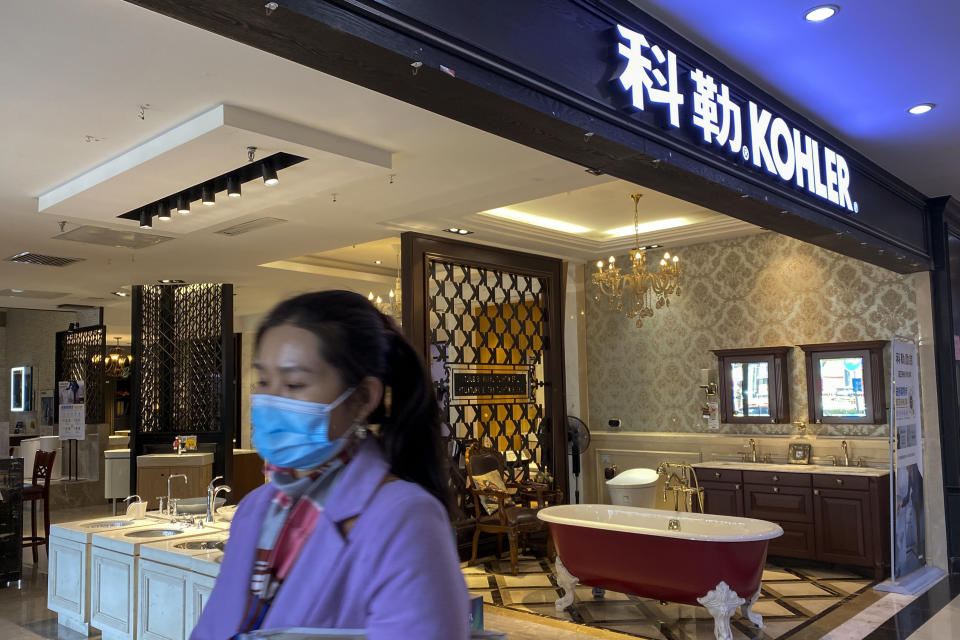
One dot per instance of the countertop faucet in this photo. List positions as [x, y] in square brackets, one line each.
[845, 453]
[212, 492]
[753, 450]
[169, 478]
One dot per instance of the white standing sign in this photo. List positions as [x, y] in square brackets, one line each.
[73, 423]
[909, 535]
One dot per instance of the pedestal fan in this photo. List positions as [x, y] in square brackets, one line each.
[578, 441]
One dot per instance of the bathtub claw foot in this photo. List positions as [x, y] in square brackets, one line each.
[721, 603]
[752, 616]
[567, 582]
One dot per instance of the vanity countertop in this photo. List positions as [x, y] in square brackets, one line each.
[794, 468]
[84, 530]
[175, 459]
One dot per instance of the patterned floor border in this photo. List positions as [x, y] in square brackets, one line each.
[795, 596]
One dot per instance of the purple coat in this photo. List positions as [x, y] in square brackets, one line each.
[396, 574]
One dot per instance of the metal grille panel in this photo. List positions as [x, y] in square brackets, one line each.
[487, 330]
[180, 359]
[80, 356]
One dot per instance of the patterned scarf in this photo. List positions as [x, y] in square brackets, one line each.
[287, 525]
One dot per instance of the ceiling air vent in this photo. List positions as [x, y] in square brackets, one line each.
[76, 307]
[28, 257]
[247, 227]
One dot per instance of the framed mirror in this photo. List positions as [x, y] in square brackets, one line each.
[845, 382]
[753, 385]
[21, 389]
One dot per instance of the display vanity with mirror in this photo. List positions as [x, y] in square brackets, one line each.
[835, 512]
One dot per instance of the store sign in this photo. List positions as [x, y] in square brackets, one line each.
[471, 384]
[697, 100]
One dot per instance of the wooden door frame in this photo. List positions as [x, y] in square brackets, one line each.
[417, 249]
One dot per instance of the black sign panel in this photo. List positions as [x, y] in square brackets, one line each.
[468, 384]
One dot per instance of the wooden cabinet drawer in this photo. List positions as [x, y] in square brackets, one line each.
[798, 541]
[707, 474]
[723, 498]
[779, 504]
[840, 481]
[777, 478]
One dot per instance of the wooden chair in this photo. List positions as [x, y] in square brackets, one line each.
[42, 470]
[509, 517]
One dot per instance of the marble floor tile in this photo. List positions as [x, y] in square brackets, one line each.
[585, 594]
[640, 629]
[611, 611]
[526, 596]
[812, 606]
[944, 624]
[861, 624]
[782, 589]
[771, 608]
[546, 609]
[487, 595]
[777, 628]
[529, 580]
[477, 581]
[818, 573]
[778, 574]
[847, 586]
[525, 626]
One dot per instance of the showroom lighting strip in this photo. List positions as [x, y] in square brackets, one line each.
[206, 192]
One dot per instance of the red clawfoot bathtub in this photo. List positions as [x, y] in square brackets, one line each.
[689, 558]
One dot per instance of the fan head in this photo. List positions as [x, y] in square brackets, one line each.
[577, 432]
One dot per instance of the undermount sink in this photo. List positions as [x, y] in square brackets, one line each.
[196, 505]
[799, 468]
[202, 544]
[154, 533]
[110, 523]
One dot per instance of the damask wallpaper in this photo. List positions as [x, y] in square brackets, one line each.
[759, 290]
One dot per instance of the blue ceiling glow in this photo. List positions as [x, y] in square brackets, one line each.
[855, 74]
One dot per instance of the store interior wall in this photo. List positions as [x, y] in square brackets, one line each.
[760, 290]
[29, 338]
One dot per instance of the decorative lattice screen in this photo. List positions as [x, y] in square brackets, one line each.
[178, 348]
[80, 356]
[486, 330]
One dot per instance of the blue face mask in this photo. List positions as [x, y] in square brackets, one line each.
[294, 433]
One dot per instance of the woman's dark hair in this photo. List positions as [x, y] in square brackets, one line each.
[359, 341]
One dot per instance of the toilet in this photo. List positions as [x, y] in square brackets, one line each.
[633, 488]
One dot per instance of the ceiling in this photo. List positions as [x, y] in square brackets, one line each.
[102, 84]
[87, 84]
[855, 74]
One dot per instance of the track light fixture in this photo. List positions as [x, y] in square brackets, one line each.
[269, 174]
[233, 186]
[145, 219]
[230, 181]
[208, 196]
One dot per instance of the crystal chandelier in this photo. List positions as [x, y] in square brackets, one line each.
[393, 305]
[638, 292]
[117, 364]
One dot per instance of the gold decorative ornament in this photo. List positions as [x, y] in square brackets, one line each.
[639, 291]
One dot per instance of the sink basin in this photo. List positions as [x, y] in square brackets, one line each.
[202, 544]
[154, 533]
[109, 523]
[196, 505]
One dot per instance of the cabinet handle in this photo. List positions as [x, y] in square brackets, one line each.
[717, 475]
[737, 487]
[776, 489]
[839, 481]
[816, 492]
[775, 478]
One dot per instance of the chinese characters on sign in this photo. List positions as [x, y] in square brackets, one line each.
[651, 76]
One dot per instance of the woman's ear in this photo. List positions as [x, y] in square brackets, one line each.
[367, 398]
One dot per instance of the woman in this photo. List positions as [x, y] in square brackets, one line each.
[351, 532]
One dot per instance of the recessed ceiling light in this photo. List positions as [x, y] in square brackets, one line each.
[377, 262]
[122, 294]
[17, 290]
[821, 12]
[169, 281]
[922, 108]
[458, 230]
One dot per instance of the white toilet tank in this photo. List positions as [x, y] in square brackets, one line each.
[633, 488]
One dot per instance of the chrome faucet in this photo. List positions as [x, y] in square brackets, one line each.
[845, 453]
[170, 509]
[212, 492]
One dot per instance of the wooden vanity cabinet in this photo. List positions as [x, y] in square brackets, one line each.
[722, 491]
[826, 517]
